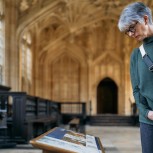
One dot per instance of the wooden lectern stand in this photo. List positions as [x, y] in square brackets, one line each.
[60, 140]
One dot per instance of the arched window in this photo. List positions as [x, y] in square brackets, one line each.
[2, 42]
[26, 58]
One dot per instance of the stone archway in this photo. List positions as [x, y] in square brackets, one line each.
[107, 98]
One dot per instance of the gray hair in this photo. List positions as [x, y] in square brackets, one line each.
[133, 12]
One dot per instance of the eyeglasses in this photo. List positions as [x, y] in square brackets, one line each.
[131, 29]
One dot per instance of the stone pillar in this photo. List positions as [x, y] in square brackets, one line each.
[127, 76]
[12, 52]
[36, 62]
[90, 100]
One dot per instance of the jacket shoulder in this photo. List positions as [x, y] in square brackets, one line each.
[134, 53]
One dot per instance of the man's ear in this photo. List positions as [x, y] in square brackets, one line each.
[146, 20]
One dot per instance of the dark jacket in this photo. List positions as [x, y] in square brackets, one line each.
[142, 81]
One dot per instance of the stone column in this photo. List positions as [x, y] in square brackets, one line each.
[12, 51]
[127, 76]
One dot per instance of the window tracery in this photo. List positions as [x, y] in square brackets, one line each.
[27, 4]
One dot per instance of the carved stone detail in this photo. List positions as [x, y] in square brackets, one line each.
[27, 4]
[24, 5]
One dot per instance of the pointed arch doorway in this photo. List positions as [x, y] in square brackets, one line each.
[107, 98]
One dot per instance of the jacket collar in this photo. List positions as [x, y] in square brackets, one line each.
[148, 40]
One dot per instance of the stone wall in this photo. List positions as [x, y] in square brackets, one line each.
[75, 44]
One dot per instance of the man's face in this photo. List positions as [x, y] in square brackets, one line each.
[137, 30]
[141, 32]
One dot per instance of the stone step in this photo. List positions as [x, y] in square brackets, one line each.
[112, 120]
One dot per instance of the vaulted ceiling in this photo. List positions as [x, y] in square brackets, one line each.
[77, 23]
[78, 42]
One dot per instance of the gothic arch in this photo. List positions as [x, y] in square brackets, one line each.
[108, 54]
[107, 97]
[76, 59]
[106, 76]
[119, 94]
[70, 49]
[65, 73]
[107, 65]
[35, 17]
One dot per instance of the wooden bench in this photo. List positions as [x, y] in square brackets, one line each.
[40, 125]
[44, 123]
[74, 124]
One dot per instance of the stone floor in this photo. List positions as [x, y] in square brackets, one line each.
[114, 140]
[118, 139]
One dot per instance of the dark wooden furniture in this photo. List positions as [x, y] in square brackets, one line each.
[74, 124]
[4, 88]
[71, 110]
[4, 142]
[28, 116]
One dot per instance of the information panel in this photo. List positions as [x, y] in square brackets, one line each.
[68, 141]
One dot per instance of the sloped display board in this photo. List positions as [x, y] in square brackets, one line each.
[60, 140]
